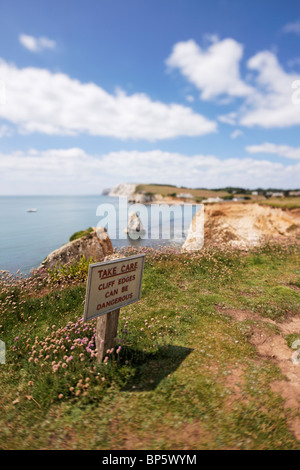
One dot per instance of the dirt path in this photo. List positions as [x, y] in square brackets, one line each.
[272, 346]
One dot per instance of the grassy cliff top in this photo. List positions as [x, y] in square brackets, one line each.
[166, 190]
[190, 370]
[285, 202]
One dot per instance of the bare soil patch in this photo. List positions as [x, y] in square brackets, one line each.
[272, 346]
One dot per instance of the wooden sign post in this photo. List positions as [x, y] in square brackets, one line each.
[111, 285]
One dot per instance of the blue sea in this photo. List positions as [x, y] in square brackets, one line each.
[26, 238]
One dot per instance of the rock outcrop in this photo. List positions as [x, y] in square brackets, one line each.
[96, 245]
[135, 228]
[242, 226]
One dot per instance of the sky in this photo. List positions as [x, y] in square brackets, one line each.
[195, 93]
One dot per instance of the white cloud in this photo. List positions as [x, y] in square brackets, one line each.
[5, 131]
[293, 27]
[274, 149]
[38, 100]
[190, 98]
[215, 71]
[230, 118]
[267, 103]
[36, 44]
[271, 105]
[236, 133]
[73, 171]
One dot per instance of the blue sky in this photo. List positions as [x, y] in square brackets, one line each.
[193, 93]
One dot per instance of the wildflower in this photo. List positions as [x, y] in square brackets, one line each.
[60, 396]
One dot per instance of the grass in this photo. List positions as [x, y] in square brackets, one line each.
[80, 233]
[166, 190]
[283, 202]
[183, 375]
[290, 203]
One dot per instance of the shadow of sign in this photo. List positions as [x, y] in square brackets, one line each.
[153, 368]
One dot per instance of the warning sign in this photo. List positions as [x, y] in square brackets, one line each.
[112, 285]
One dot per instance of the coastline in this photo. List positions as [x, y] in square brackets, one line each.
[26, 239]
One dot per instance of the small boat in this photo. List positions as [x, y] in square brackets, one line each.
[31, 210]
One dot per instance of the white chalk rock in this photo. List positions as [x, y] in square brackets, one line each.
[135, 228]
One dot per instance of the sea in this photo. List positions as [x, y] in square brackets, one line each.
[27, 237]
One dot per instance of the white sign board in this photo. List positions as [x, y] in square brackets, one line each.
[112, 285]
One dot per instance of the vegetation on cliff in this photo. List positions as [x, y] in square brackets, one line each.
[80, 234]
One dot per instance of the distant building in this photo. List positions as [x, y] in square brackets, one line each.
[185, 195]
[213, 199]
[271, 194]
[294, 193]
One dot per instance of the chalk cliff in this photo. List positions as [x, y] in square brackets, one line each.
[242, 226]
[124, 189]
[129, 190]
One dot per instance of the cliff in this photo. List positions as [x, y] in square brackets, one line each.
[243, 225]
[124, 189]
[95, 244]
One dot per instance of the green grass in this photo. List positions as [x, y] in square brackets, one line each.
[167, 190]
[80, 233]
[186, 375]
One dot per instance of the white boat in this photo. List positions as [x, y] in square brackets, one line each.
[31, 210]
